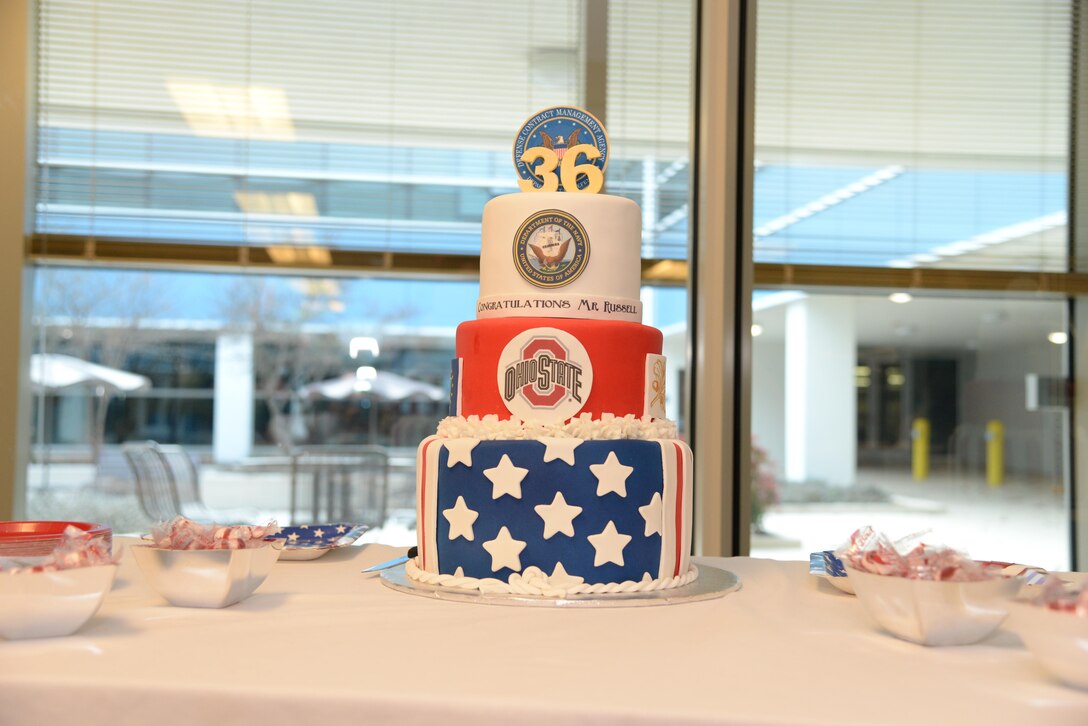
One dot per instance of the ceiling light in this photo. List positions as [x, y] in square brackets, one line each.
[900, 297]
[1058, 337]
[667, 270]
[233, 112]
[925, 257]
[757, 330]
[988, 239]
[828, 200]
[299, 204]
[285, 255]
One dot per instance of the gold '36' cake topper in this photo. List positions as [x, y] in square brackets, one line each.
[561, 149]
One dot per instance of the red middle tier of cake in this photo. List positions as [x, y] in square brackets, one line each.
[616, 350]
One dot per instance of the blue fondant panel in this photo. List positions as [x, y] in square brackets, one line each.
[543, 481]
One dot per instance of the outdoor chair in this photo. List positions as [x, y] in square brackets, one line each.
[168, 485]
[336, 474]
[155, 488]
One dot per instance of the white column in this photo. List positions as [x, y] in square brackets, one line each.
[72, 415]
[821, 404]
[232, 428]
[769, 399]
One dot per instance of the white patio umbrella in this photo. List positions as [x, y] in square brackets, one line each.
[382, 385]
[55, 372]
[52, 372]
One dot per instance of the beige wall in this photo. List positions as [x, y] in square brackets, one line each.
[15, 130]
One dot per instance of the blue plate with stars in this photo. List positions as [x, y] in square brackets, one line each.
[310, 541]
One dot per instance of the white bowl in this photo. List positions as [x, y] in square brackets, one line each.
[50, 604]
[1058, 640]
[206, 578]
[931, 612]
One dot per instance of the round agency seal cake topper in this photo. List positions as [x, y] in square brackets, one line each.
[551, 248]
[551, 143]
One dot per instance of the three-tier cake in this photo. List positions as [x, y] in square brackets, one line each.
[556, 473]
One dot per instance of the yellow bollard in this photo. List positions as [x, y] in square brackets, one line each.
[995, 453]
[919, 448]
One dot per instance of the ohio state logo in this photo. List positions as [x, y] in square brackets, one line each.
[544, 374]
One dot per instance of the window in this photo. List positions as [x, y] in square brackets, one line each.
[207, 155]
[930, 138]
[923, 135]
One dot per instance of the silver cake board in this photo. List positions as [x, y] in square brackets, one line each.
[712, 583]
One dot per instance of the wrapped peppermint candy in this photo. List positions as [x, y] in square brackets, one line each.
[1061, 596]
[76, 548]
[181, 533]
[873, 552]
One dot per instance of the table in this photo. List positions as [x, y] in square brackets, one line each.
[320, 641]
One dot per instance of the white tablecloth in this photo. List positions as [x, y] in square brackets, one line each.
[320, 641]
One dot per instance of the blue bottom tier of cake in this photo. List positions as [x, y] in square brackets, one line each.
[606, 511]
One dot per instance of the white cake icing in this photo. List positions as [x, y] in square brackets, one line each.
[534, 581]
[608, 287]
[490, 428]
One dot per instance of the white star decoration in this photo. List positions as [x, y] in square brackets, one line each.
[652, 514]
[558, 516]
[560, 578]
[608, 544]
[505, 551]
[556, 448]
[611, 475]
[319, 533]
[340, 529]
[506, 478]
[460, 451]
[461, 519]
[293, 537]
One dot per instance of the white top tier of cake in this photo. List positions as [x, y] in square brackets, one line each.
[598, 257]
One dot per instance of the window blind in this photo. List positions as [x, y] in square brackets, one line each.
[355, 124]
[913, 133]
[367, 125]
[649, 112]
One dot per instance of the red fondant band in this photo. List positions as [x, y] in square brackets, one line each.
[617, 351]
[679, 505]
[423, 506]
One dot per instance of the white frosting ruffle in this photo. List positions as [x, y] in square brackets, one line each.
[608, 426]
[534, 581]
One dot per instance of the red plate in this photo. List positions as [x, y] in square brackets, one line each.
[27, 539]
